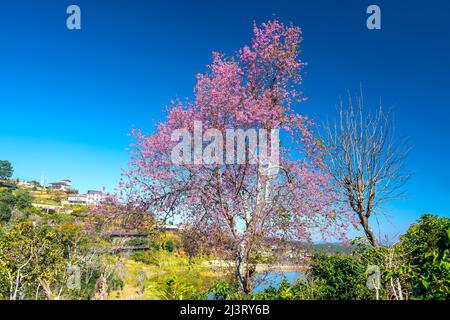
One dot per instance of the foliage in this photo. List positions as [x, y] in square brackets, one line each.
[224, 290]
[428, 245]
[342, 277]
[137, 242]
[22, 199]
[177, 289]
[30, 257]
[418, 266]
[6, 169]
[19, 199]
[79, 210]
[169, 246]
[329, 278]
[5, 212]
[7, 201]
[146, 256]
[41, 262]
[112, 215]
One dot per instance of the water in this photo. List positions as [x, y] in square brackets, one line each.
[265, 280]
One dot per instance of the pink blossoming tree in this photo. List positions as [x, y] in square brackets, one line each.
[249, 203]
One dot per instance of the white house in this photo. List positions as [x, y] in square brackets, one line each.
[169, 228]
[77, 199]
[63, 185]
[94, 197]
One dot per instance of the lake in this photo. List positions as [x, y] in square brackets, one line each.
[267, 279]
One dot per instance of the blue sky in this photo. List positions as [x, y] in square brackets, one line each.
[69, 98]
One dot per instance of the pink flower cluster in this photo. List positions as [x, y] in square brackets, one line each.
[255, 88]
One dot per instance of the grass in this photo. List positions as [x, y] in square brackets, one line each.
[148, 282]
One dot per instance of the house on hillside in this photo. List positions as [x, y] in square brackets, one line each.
[94, 197]
[77, 199]
[169, 228]
[62, 185]
[29, 184]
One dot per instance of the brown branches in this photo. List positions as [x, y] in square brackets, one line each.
[366, 159]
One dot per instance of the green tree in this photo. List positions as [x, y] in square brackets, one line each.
[9, 200]
[7, 203]
[30, 258]
[418, 266]
[341, 277]
[6, 169]
[22, 199]
[427, 243]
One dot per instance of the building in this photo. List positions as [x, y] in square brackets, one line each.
[4, 184]
[29, 184]
[94, 197]
[77, 199]
[169, 228]
[62, 185]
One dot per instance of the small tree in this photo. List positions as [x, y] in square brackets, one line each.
[6, 169]
[28, 256]
[7, 203]
[23, 199]
[10, 200]
[366, 159]
[428, 243]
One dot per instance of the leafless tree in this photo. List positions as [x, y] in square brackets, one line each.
[366, 158]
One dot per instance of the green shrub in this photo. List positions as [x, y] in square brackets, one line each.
[169, 246]
[222, 290]
[427, 243]
[136, 242]
[311, 289]
[145, 256]
[340, 277]
[177, 289]
[5, 212]
[115, 284]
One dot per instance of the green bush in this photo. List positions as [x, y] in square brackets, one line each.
[5, 212]
[136, 242]
[418, 265]
[169, 246]
[13, 199]
[145, 256]
[340, 278]
[304, 289]
[223, 290]
[22, 199]
[115, 284]
[427, 243]
[177, 289]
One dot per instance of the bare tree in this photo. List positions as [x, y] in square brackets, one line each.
[366, 159]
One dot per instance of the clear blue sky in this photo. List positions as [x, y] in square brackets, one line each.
[69, 98]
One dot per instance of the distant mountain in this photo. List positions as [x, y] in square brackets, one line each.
[332, 248]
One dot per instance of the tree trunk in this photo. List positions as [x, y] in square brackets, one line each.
[243, 273]
[101, 289]
[368, 230]
[47, 289]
